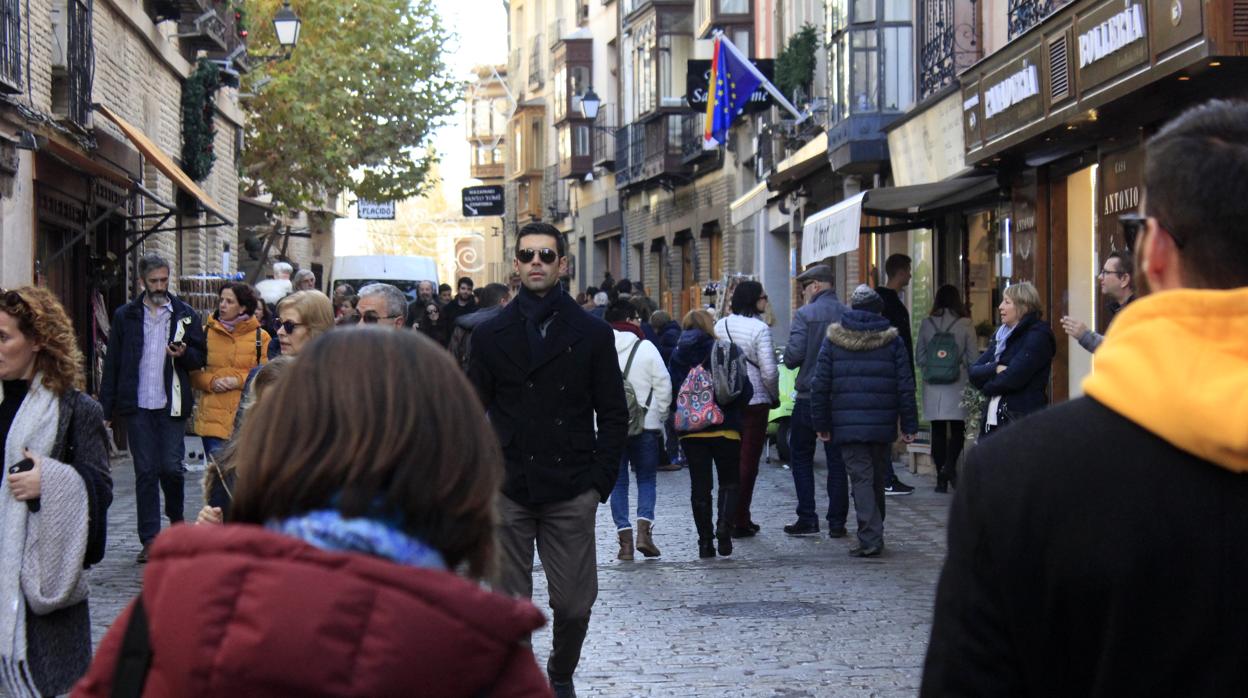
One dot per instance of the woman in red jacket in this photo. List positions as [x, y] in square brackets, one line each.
[363, 524]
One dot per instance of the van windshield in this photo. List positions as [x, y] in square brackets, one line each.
[407, 287]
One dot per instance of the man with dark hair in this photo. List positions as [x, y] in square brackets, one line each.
[464, 303]
[897, 271]
[1100, 547]
[493, 298]
[154, 343]
[1117, 279]
[444, 294]
[543, 368]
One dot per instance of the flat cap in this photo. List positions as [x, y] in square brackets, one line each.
[819, 272]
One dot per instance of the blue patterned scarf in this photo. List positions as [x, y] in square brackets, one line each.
[1003, 333]
[328, 530]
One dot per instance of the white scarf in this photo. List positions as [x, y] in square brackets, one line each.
[50, 544]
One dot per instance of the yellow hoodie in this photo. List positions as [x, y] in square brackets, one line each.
[1176, 363]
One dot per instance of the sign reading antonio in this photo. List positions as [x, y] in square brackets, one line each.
[482, 201]
[700, 74]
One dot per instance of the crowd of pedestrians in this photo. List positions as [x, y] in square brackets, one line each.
[338, 498]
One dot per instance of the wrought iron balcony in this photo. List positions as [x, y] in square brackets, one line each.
[1025, 14]
[537, 52]
[11, 46]
[201, 25]
[691, 137]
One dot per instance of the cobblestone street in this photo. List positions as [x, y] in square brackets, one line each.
[782, 616]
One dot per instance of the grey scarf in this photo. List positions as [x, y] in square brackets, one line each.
[50, 544]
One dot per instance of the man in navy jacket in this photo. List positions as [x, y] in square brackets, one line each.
[155, 342]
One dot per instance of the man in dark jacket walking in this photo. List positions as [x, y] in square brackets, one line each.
[494, 297]
[464, 303]
[810, 324]
[155, 342]
[863, 383]
[543, 369]
[1100, 547]
[898, 269]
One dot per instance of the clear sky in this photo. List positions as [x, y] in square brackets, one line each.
[479, 29]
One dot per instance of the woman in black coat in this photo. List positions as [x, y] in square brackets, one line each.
[719, 445]
[1014, 372]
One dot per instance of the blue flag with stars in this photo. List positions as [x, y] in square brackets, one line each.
[733, 81]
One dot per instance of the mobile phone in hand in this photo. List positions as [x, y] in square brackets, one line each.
[22, 466]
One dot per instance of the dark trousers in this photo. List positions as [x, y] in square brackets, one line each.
[753, 438]
[802, 462]
[868, 465]
[725, 455]
[156, 445]
[564, 535]
[948, 437]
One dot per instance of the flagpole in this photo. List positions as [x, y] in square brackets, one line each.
[764, 82]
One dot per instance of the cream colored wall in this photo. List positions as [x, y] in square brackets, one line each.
[996, 26]
[1082, 266]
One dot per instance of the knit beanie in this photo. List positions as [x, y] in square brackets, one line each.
[865, 298]
[601, 299]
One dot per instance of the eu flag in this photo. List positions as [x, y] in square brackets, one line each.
[733, 81]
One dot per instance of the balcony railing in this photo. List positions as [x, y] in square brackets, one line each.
[1025, 14]
[604, 137]
[11, 46]
[78, 62]
[554, 31]
[201, 26]
[691, 137]
[536, 54]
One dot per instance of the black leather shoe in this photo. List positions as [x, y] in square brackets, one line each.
[725, 545]
[837, 532]
[755, 527]
[743, 531]
[563, 689]
[865, 552]
[801, 529]
[706, 548]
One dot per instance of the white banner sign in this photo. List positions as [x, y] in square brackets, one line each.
[832, 231]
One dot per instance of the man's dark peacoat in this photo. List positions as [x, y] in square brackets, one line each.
[543, 408]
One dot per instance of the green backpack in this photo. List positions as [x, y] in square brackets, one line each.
[636, 411]
[944, 362]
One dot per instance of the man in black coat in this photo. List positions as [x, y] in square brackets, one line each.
[543, 369]
[898, 269]
[1100, 547]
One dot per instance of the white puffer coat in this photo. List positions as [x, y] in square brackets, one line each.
[753, 337]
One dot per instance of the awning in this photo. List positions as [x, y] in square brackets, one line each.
[808, 159]
[902, 202]
[750, 203]
[832, 231]
[164, 163]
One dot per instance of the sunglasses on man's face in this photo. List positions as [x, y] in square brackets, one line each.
[547, 255]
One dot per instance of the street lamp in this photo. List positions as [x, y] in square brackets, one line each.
[286, 25]
[589, 104]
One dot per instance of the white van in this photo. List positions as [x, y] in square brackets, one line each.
[400, 271]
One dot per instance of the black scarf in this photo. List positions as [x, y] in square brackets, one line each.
[537, 311]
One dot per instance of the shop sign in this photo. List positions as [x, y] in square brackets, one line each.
[1174, 23]
[929, 147]
[1013, 95]
[698, 75]
[1111, 40]
[971, 116]
[833, 231]
[1121, 186]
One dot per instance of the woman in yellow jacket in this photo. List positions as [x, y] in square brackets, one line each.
[236, 344]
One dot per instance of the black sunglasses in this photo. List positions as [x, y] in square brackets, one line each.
[290, 325]
[1133, 224]
[372, 318]
[547, 255]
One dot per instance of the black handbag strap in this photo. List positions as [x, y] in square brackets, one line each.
[135, 658]
[257, 346]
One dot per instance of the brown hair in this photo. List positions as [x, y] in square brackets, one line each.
[1025, 296]
[43, 320]
[699, 320]
[315, 310]
[367, 444]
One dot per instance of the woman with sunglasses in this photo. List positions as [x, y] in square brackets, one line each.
[432, 325]
[363, 524]
[54, 497]
[236, 345]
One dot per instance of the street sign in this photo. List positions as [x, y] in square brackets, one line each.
[483, 201]
[374, 210]
[699, 73]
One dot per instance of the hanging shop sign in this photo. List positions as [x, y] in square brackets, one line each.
[699, 75]
[832, 231]
[1012, 94]
[482, 201]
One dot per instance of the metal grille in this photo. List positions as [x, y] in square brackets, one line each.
[937, 65]
[1239, 20]
[80, 63]
[1025, 14]
[11, 51]
[622, 153]
[1059, 68]
[536, 53]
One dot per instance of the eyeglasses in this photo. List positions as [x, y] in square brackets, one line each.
[372, 318]
[289, 326]
[1106, 272]
[1133, 224]
[547, 255]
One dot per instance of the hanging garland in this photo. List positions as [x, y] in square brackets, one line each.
[198, 112]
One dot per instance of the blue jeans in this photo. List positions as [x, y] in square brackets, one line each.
[643, 452]
[212, 446]
[802, 461]
[156, 444]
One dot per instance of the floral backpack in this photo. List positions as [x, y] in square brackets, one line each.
[695, 403]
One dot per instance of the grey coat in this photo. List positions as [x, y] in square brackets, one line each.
[943, 401]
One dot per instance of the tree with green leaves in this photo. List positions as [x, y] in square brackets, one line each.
[362, 93]
[795, 66]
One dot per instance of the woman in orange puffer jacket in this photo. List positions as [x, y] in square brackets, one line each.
[236, 344]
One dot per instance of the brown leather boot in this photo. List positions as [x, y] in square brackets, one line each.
[626, 545]
[645, 543]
